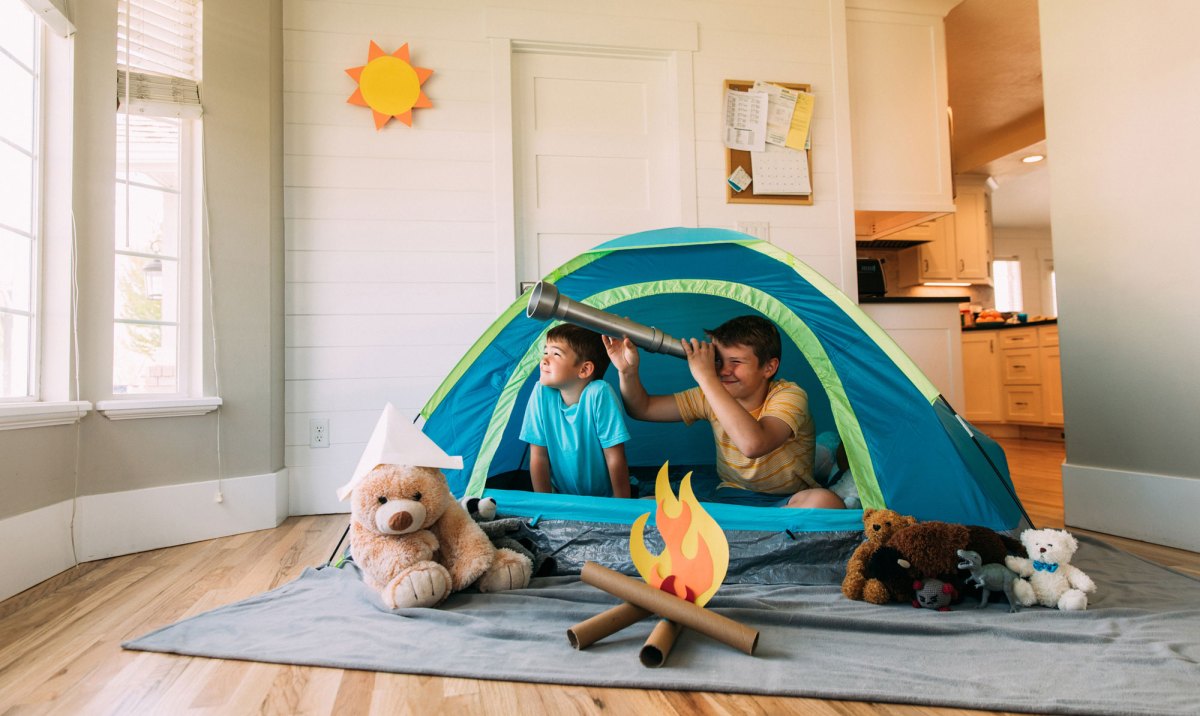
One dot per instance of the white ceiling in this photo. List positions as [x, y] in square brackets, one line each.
[1021, 198]
[1022, 201]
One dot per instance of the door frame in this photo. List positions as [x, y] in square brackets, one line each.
[511, 31]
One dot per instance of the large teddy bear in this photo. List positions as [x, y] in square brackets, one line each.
[1053, 581]
[416, 544]
[930, 550]
[878, 525]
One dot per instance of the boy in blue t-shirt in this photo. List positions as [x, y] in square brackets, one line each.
[575, 423]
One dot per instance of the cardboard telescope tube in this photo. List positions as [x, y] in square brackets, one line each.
[657, 648]
[668, 606]
[545, 302]
[590, 631]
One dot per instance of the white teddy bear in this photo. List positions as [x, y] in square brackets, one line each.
[1053, 581]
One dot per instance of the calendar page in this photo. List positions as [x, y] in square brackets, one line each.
[780, 171]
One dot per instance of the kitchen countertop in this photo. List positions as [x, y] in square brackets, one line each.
[996, 326]
[914, 299]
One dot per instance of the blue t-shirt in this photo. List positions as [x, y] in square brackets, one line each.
[575, 436]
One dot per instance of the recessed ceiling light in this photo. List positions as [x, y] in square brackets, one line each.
[1033, 158]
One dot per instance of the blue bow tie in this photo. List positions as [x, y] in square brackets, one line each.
[1045, 566]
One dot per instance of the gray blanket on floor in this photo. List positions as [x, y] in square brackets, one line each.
[1136, 650]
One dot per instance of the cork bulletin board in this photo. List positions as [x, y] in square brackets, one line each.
[737, 157]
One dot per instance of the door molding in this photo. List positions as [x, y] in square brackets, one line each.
[511, 31]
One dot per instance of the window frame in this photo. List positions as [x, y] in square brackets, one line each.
[149, 99]
[37, 154]
[188, 357]
[52, 397]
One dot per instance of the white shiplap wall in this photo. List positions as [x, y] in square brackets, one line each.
[392, 265]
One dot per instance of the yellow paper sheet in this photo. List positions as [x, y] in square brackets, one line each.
[801, 120]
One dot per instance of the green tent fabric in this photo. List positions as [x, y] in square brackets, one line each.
[908, 450]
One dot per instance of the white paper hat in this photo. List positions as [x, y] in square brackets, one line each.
[397, 441]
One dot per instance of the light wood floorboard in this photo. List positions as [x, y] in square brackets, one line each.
[60, 640]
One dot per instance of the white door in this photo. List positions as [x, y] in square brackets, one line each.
[595, 148]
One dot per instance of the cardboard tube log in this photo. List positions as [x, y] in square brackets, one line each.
[545, 302]
[590, 631]
[657, 648]
[668, 606]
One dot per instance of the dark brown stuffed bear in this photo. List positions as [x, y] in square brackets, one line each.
[878, 525]
[929, 550]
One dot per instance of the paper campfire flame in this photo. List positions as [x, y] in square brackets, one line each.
[695, 557]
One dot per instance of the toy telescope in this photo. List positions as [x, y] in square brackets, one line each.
[545, 302]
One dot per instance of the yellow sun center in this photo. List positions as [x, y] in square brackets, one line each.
[389, 85]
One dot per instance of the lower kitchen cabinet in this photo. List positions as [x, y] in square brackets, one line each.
[981, 377]
[1051, 378]
[1023, 404]
[1013, 375]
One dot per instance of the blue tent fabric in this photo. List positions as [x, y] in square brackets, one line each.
[926, 461]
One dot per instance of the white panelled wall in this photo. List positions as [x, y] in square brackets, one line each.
[396, 254]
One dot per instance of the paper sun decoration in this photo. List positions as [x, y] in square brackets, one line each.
[696, 556]
[390, 85]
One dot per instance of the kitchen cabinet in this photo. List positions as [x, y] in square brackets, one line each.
[1012, 375]
[981, 377]
[1051, 375]
[959, 246]
[973, 232]
[931, 334]
[1020, 371]
[899, 124]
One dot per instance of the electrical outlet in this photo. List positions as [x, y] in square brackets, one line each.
[318, 432]
[757, 229]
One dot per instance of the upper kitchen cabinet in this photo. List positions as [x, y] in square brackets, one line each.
[973, 230]
[900, 128]
[959, 247]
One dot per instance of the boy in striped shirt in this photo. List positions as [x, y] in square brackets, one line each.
[763, 431]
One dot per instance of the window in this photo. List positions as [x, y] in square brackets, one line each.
[156, 271]
[20, 119]
[1053, 301]
[1006, 274]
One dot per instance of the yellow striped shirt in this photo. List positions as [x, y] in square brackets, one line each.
[785, 470]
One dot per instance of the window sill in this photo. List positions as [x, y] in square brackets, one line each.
[18, 416]
[165, 408]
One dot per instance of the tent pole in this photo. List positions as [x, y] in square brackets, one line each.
[1005, 483]
[337, 546]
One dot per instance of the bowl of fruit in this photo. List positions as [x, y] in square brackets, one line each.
[989, 316]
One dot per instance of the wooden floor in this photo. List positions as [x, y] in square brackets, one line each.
[60, 641]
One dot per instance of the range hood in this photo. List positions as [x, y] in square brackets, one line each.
[872, 228]
[889, 243]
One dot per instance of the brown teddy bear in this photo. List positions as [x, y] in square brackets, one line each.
[416, 544]
[929, 550]
[878, 525]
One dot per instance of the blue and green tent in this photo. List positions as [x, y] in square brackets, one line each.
[907, 448]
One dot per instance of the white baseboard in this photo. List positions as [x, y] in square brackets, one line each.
[1152, 508]
[138, 520]
[37, 546]
[313, 491]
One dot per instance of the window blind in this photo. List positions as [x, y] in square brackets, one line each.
[158, 57]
